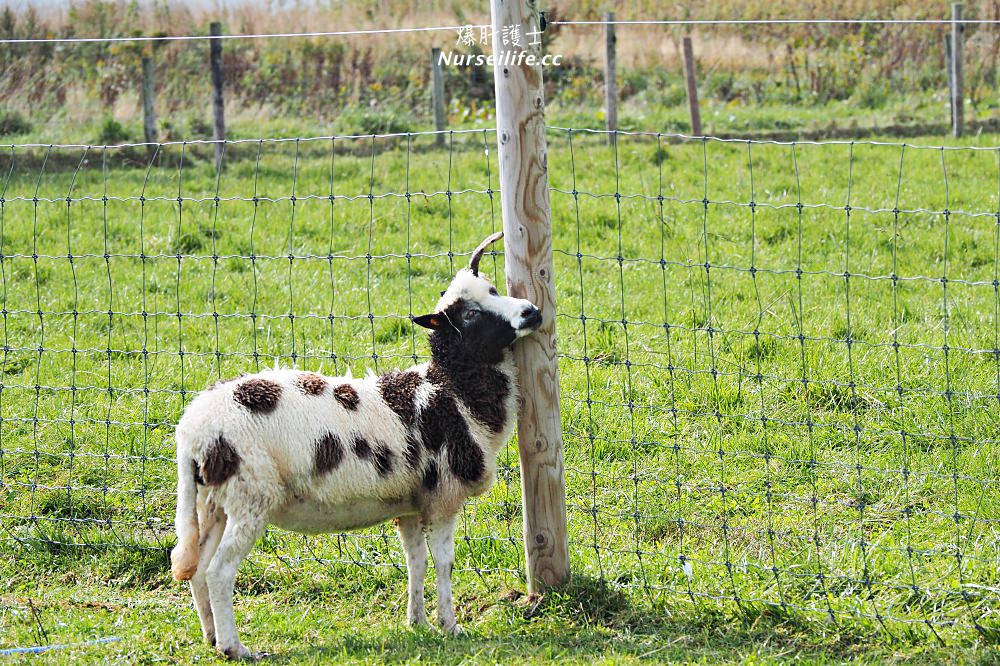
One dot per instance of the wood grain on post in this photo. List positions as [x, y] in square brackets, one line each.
[957, 78]
[148, 103]
[218, 99]
[524, 200]
[610, 79]
[438, 81]
[692, 87]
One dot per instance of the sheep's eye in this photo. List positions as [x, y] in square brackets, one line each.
[470, 314]
[443, 293]
[494, 292]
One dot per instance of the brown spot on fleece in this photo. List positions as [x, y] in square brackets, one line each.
[221, 462]
[382, 458]
[441, 424]
[378, 454]
[329, 453]
[347, 396]
[311, 384]
[399, 390]
[430, 480]
[483, 389]
[198, 478]
[258, 395]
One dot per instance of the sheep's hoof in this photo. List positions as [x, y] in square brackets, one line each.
[417, 622]
[238, 651]
[454, 630]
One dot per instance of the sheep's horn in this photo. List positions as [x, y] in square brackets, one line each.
[477, 254]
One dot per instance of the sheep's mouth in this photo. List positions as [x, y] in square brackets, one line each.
[529, 323]
[532, 321]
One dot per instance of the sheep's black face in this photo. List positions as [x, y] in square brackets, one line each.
[480, 332]
[477, 322]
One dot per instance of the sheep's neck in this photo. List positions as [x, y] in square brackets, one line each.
[481, 383]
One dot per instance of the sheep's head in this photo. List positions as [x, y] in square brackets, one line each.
[473, 314]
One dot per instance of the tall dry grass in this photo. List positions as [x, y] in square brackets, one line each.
[388, 74]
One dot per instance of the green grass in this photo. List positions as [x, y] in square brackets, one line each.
[321, 621]
[890, 433]
[654, 109]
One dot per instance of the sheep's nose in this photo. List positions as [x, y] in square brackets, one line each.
[531, 317]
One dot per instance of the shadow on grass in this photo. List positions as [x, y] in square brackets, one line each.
[587, 621]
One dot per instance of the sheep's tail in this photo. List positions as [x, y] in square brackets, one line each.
[184, 557]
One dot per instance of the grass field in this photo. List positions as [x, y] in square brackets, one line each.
[773, 446]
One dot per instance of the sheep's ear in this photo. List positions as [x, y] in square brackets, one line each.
[431, 321]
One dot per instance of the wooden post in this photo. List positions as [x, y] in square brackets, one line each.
[524, 201]
[218, 100]
[692, 87]
[949, 70]
[148, 103]
[610, 79]
[438, 81]
[957, 79]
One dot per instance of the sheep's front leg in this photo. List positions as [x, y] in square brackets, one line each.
[237, 541]
[411, 535]
[441, 537]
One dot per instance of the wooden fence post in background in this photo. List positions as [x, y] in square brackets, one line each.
[148, 103]
[438, 81]
[610, 79]
[692, 87]
[524, 201]
[957, 79]
[218, 100]
[950, 71]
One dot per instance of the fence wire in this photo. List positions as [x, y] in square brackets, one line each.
[779, 362]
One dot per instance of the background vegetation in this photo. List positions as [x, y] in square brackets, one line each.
[826, 78]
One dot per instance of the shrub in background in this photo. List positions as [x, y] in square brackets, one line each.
[12, 122]
[112, 132]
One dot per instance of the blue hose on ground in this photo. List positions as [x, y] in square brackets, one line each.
[44, 648]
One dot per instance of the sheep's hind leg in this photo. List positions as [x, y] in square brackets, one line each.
[441, 537]
[237, 540]
[212, 525]
[411, 535]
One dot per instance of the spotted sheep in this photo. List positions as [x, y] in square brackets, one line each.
[318, 454]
